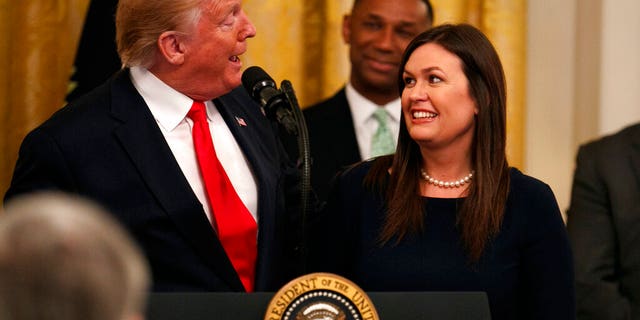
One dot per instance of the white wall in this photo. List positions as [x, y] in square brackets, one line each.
[620, 69]
[583, 81]
[550, 85]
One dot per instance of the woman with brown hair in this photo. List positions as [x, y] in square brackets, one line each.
[446, 212]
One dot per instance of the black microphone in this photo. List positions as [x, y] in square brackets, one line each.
[274, 102]
[282, 106]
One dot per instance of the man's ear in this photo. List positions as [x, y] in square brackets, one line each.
[346, 29]
[172, 47]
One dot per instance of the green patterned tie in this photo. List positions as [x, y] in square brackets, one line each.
[382, 142]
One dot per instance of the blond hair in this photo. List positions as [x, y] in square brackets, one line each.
[139, 24]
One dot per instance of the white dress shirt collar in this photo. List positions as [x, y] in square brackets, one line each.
[365, 126]
[363, 108]
[168, 106]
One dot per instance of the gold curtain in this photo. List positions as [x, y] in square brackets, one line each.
[297, 40]
[36, 53]
[300, 42]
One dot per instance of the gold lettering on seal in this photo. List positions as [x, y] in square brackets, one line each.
[307, 295]
[293, 290]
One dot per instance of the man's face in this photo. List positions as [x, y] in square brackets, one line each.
[219, 39]
[377, 32]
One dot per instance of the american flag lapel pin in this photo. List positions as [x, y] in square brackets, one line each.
[241, 121]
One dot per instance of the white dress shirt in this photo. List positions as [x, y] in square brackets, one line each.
[365, 125]
[169, 108]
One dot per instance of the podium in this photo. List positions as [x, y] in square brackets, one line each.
[252, 306]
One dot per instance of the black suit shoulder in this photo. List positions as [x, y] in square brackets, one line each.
[614, 142]
[332, 140]
[335, 105]
[76, 113]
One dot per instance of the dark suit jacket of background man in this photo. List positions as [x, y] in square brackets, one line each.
[332, 140]
[604, 227]
[107, 146]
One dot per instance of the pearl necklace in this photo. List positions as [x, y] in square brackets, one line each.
[446, 184]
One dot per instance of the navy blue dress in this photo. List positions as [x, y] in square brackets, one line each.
[526, 270]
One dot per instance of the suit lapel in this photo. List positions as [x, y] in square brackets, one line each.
[248, 129]
[143, 141]
[254, 135]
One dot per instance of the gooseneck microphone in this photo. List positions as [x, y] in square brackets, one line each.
[275, 102]
[282, 106]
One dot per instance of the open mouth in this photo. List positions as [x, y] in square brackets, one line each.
[424, 115]
[234, 59]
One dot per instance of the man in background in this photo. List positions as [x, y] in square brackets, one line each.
[63, 257]
[603, 222]
[342, 128]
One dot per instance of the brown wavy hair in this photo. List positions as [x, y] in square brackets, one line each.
[481, 212]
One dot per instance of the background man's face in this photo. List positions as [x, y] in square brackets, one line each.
[377, 32]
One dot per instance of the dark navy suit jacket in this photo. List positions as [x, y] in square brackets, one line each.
[332, 140]
[107, 146]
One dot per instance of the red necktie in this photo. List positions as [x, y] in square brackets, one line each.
[235, 226]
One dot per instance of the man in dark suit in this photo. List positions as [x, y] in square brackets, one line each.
[128, 145]
[604, 226]
[341, 128]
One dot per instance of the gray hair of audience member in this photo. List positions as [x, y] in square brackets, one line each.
[64, 257]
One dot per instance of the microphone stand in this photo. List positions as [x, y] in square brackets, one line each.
[304, 161]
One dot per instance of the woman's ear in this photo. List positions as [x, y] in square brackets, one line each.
[172, 47]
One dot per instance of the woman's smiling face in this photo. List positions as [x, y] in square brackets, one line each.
[437, 107]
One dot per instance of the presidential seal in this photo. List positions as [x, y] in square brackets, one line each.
[321, 296]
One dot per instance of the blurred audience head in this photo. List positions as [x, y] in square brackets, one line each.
[63, 257]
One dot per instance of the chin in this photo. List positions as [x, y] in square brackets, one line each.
[233, 82]
[381, 85]
[420, 136]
